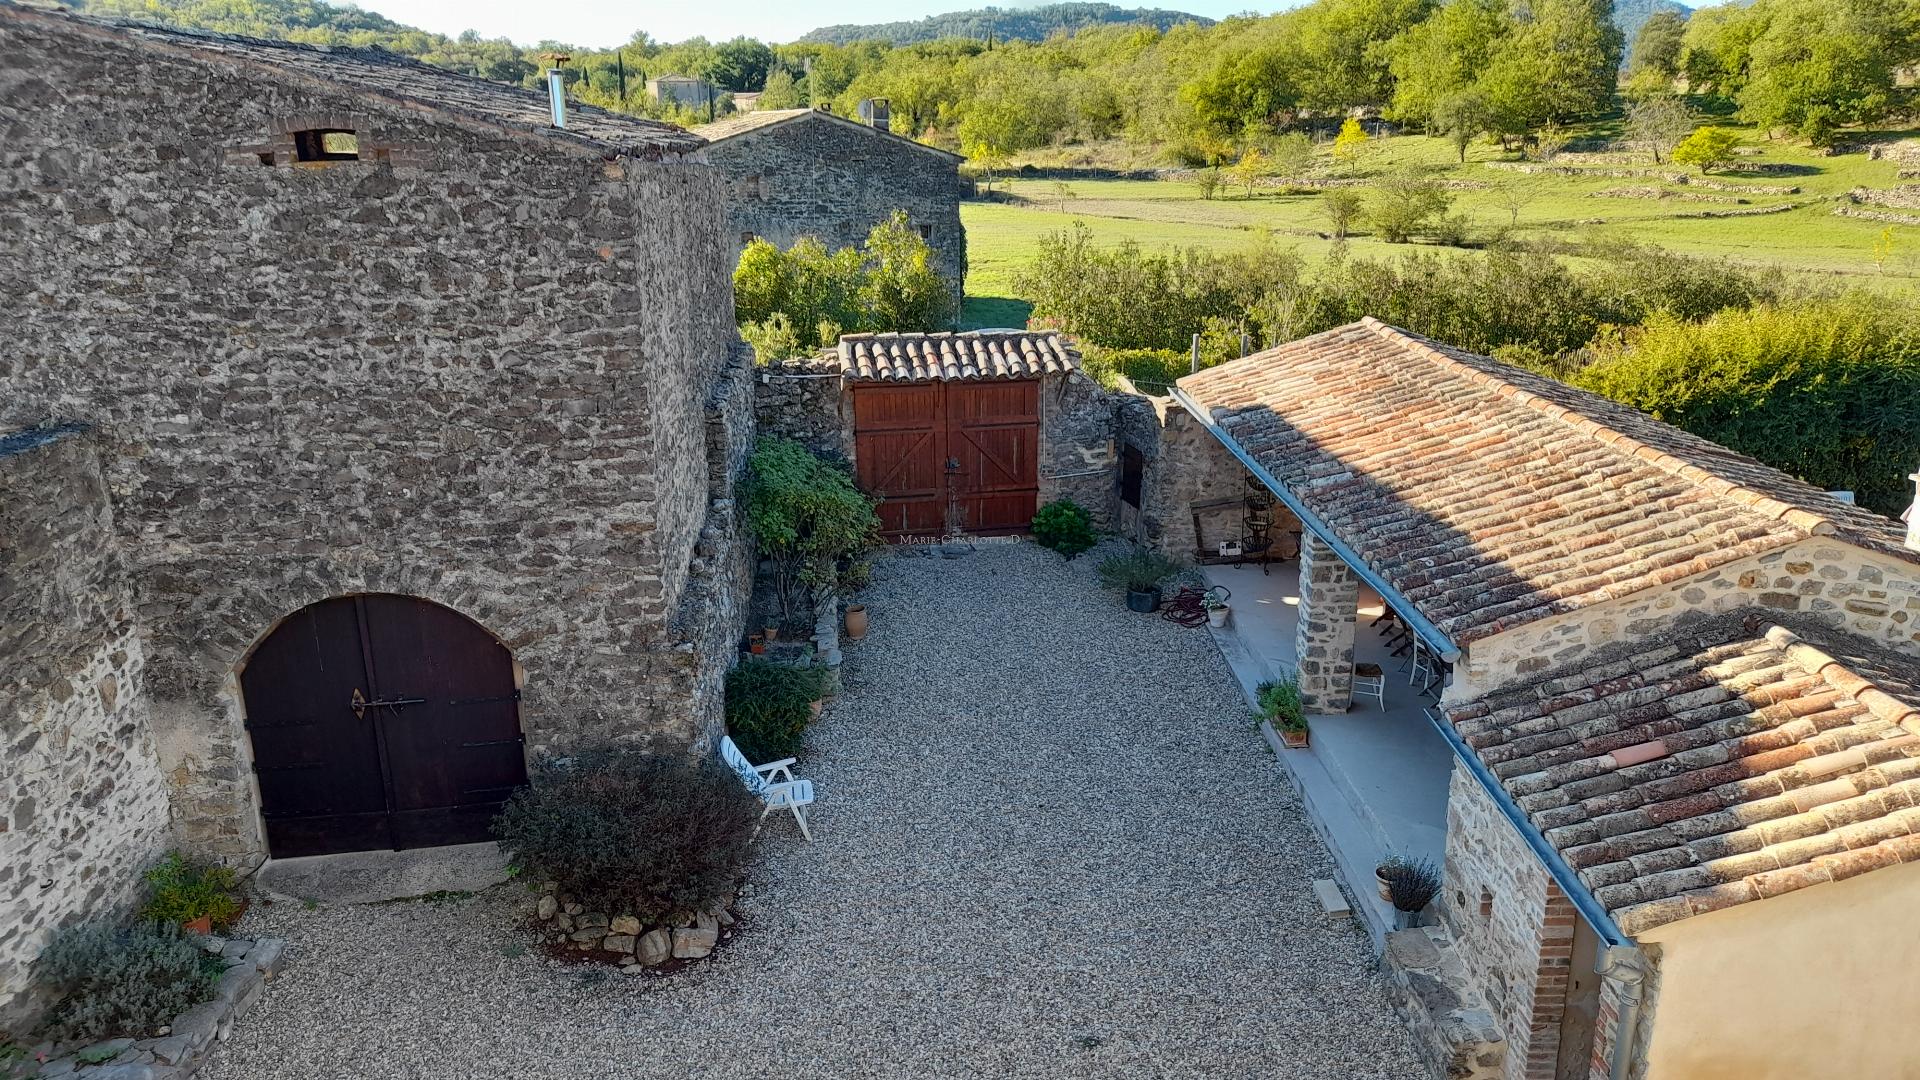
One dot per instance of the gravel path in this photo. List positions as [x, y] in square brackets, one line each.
[1050, 843]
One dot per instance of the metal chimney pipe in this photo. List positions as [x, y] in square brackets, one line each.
[557, 96]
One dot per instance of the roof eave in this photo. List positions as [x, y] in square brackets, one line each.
[1435, 638]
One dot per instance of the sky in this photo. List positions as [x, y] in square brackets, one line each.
[604, 23]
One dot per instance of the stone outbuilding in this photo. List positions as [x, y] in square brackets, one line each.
[1672, 692]
[375, 436]
[958, 433]
[807, 172]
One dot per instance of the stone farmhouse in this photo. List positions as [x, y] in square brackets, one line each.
[373, 435]
[807, 172]
[1676, 728]
[686, 91]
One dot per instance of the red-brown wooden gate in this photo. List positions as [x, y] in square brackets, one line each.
[381, 721]
[949, 456]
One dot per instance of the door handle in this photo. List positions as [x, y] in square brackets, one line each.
[360, 704]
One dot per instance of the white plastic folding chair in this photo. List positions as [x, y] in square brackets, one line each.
[1370, 681]
[776, 794]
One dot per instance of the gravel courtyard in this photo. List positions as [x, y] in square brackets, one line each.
[1049, 842]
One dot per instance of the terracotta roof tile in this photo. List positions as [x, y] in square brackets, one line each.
[974, 355]
[1793, 758]
[374, 70]
[1491, 497]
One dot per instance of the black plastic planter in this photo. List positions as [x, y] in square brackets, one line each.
[1143, 600]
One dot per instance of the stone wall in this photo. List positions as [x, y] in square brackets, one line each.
[83, 805]
[1512, 926]
[806, 400]
[1874, 596]
[1323, 636]
[474, 372]
[1079, 456]
[712, 612]
[835, 179]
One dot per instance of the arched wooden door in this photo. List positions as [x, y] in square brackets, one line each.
[381, 721]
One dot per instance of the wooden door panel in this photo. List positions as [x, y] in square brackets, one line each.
[318, 763]
[460, 746]
[994, 434]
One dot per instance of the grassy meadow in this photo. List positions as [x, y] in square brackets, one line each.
[1003, 236]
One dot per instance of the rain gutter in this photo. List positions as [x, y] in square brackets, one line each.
[1620, 961]
[1442, 646]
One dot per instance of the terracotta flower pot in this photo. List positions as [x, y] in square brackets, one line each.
[1296, 740]
[856, 621]
[201, 925]
[756, 644]
[1381, 880]
[771, 633]
[816, 708]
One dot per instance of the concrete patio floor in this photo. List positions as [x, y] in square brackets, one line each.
[1049, 843]
[1375, 780]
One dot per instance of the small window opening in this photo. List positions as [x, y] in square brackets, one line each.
[266, 157]
[926, 232]
[1486, 905]
[748, 238]
[323, 145]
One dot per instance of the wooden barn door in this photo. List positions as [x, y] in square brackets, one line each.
[381, 721]
[949, 457]
[993, 432]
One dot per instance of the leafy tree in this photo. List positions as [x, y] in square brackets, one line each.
[806, 517]
[1707, 148]
[1658, 124]
[782, 92]
[1342, 207]
[1819, 64]
[798, 300]
[1444, 55]
[1403, 203]
[901, 290]
[1252, 167]
[1291, 154]
[740, 64]
[1351, 144]
[1340, 49]
[1655, 52]
[1463, 115]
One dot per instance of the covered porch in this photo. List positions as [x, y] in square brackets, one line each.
[1375, 775]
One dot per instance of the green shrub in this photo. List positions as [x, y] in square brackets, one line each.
[806, 517]
[622, 831]
[107, 980]
[1152, 371]
[795, 301]
[1825, 389]
[180, 890]
[1064, 526]
[1402, 204]
[1139, 570]
[769, 706]
[1280, 703]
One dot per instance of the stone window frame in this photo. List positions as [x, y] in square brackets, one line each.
[281, 148]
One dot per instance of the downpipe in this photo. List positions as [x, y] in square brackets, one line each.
[1625, 967]
[1620, 962]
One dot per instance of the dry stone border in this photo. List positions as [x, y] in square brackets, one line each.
[1651, 192]
[1886, 216]
[625, 939]
[183, 1046]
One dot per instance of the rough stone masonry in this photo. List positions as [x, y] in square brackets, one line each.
[474, 361]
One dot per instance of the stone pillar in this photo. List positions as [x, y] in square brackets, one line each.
[1329, 604]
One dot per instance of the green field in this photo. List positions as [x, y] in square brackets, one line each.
[1003, 236]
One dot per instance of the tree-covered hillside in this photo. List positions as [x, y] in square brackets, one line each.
[1020, 24]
